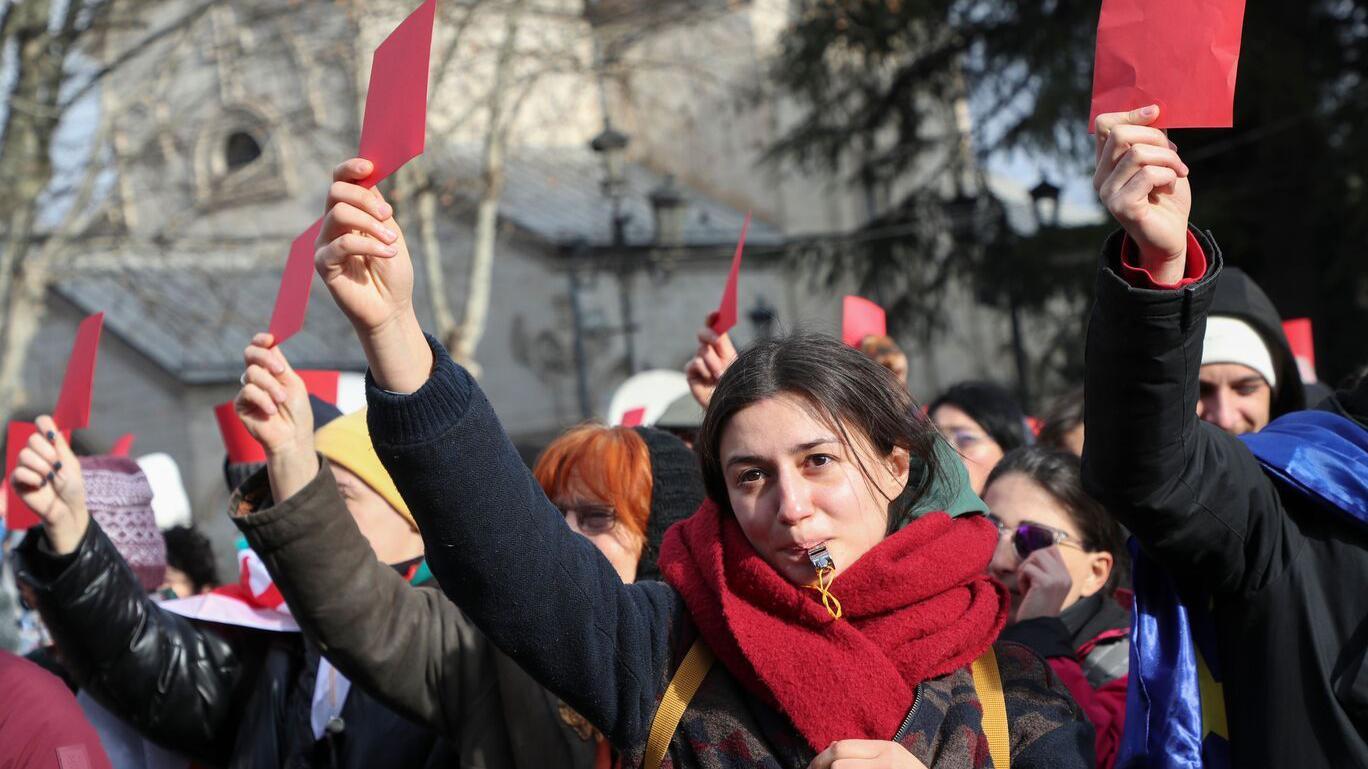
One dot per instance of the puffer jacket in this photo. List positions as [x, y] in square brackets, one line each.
[224, 696]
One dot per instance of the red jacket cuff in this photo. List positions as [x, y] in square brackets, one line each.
[1139, 277]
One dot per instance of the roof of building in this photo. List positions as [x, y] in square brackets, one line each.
[194, 324]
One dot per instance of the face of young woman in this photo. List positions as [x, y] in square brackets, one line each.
[597, 521]
[794, 485]
[1016, 499]
[981, 453]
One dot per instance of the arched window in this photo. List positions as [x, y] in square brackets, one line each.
[240, 149]
[240, 157]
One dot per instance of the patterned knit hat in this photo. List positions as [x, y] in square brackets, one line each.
[120, 500]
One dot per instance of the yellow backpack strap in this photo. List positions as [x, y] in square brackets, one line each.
[687, 678]
[988, 683]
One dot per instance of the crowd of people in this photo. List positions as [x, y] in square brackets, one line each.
[805, 569]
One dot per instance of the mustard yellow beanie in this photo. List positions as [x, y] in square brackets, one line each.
[346, 441]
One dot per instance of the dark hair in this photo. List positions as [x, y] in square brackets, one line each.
[1059, 474]
[1061, 418]
[842, 386]
[993, 408]
[191, 552]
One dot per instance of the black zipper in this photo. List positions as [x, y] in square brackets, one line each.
[907, 721]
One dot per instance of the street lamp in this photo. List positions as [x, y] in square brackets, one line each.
[669, 206]
[1045, 198]
[611, 145]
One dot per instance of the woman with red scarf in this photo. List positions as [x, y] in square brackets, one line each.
[844, 633]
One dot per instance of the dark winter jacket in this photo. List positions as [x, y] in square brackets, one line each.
[224, 696]
[1286, 576]
[442, 671]
[550, 600]
[1088, 647]
[1238, 296]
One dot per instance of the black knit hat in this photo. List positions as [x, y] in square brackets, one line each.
[993, 408]
[676, 493]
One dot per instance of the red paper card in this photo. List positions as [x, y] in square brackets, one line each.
[123, 446]
[321, 383]
[633, 417]
[861, 318]
[392, 133]
[292, 300]
[725, 317]
[1301, 340]
[242, 447]
[18, 515]
[395, 124]
[1179, 54]
[78, 384]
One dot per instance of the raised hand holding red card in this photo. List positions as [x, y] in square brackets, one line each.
[725, 317]
[1179, 54]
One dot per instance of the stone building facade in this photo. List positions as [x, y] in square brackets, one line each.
[224, 132]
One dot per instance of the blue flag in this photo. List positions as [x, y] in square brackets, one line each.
[1175, 710]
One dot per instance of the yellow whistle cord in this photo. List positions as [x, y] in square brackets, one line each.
[823, 588]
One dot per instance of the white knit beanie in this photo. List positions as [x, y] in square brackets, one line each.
[1231, 340]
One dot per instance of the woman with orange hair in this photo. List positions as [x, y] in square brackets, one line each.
[618, 487]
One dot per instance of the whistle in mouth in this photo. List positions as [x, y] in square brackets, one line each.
[821, 559]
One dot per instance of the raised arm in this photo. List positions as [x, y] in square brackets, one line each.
[348, 601]
[1193, 495]
[174, 682]
[499, 548]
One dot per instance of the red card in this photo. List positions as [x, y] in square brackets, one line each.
[861, 318]
[395, 124]
[78, 385]
[321, 383]
[1179, 54]
[633, 417]
[392, 132]
[123, 446]
[1300, 338]
[292, 300]
[18, 515]
[725, 317]
[242, 447]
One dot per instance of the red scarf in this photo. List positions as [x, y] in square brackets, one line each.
[918, 605]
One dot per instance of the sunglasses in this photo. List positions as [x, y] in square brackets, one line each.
[591, 520]
[1029, 537]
